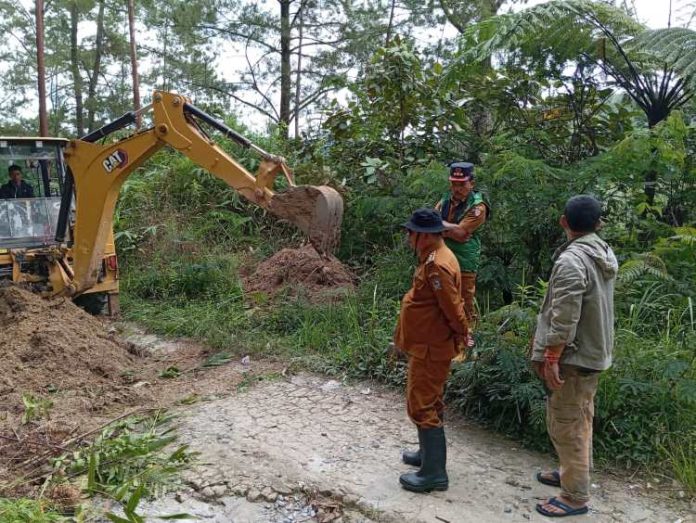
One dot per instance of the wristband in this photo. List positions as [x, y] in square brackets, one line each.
[551, 357]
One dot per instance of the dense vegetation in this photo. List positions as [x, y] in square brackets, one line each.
[563, 98]
[544, 139]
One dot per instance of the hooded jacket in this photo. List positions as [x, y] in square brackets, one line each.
[578, 308]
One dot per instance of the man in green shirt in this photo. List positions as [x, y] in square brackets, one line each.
[463, 212]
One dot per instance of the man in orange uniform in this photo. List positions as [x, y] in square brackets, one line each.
[464, 211]
[431, 325]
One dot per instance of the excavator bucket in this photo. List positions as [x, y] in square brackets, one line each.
[316, 210]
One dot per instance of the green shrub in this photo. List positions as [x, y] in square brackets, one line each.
[182, 279]
[28, 511]
[646, 401]
[496, 385]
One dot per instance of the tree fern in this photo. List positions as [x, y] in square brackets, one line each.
[655, 68]
[549, 25]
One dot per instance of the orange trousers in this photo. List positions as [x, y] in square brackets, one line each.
[425, 387]
[468, 291]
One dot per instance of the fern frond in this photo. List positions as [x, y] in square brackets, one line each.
[686, 235]
[642, 264]
[548, 25]
[675, 46]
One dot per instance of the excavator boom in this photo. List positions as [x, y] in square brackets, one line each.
[98, 172]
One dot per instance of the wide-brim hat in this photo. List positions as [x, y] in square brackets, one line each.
[465, 171]
[425, 220]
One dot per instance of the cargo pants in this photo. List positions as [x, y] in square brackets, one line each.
[569, 413]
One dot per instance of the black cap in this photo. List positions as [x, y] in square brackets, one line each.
[425, 220]
[464, 171]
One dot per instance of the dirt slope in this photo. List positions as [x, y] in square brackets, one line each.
[79, 373]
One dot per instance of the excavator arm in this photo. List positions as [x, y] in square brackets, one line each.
[99, 171]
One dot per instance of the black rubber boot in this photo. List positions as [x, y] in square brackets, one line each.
[413, 457]
[432, 474]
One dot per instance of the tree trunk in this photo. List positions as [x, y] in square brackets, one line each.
[75, 66]
[165, 49]
[650, 181]
[451, 17]
[96, 68]
[391, 23]
[41, 68]
[299, 75]
[285, 72]
[134, 63]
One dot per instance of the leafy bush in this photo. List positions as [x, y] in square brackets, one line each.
[496, 386]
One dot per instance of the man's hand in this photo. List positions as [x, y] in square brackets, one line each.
[552, 371]
[395, 354]
[552, 375]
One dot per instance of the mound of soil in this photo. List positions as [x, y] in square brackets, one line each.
[53, 346]
[82, 375]
[301, 271]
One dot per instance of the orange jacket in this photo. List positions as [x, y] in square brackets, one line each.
[432, 315]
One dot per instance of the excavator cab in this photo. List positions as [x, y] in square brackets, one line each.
[27, 222]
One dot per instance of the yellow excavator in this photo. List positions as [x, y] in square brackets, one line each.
[60, 240]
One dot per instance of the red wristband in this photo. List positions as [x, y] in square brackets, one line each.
[551, 357]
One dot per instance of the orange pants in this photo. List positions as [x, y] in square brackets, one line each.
[468, 290]
[425, 387]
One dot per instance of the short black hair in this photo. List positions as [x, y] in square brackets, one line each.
[583, 213]
[14, 167]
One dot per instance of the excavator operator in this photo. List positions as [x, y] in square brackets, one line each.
[16, 187]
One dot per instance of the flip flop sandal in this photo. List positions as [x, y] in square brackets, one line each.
[567, 509]
[555, 482]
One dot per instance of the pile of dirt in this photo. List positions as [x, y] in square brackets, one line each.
[52, 347]
[78, 373]
[301, 272]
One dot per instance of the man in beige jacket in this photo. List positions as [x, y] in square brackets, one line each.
[573, 343]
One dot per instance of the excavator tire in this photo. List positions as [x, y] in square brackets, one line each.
[95, 303]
